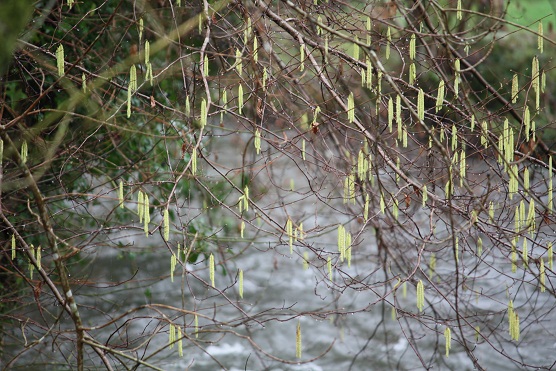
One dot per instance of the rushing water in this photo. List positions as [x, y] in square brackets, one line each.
[343, 325]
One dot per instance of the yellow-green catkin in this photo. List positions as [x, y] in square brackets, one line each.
[180, 342]
[420, 296]
[60, 59]
[351, 108]
[515, 88]
[140, 207]
[171, 336]
[194, 161]
[349, 189]
[527, 122]
[129, 93]
[173, 263]
[188, 105]
[148, 52]
[205, 66]
[479, 247]
[133, 78]
[242, 229]
[513, 319]
[366, 208]
[255, 50]
[448, 338]
[457, 77]
[362, 165]
[204, 113]
[166, 225]
[458, 11]
[454, 144]
[425, 195]
[24, 152]
[303, 145]
[38, 257]
[302, 57]
[240, 99]
[535, 80]
[369, 72]
[83, 83]
[391, 116]
[146, 215]
[550, 257]
[341, 241]
[298, 340]
[542, 275]
[257, 141]
[412, 47]
[421, 104]
[550, 188]
[329, 267]
[240, 283]
[540, 38]
[526, 178]
[289, 232]
[121, 194]
[440, 95]
[484, 134]
[13, 247]
[211, 269]
[265, 77]
[404, 289]
[141, 28]
[244, 200]
[196, 325]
